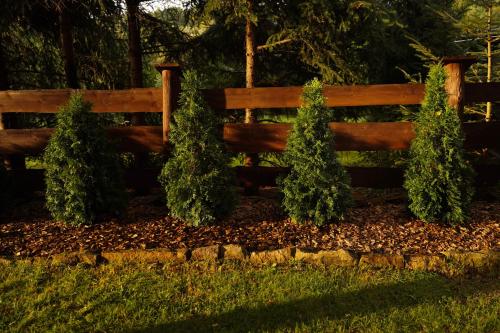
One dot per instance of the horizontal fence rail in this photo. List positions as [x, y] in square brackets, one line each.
[336, 96]
[374, 177]
[129, 139]
[482, 92]
[49, 101]
[150, 99]
[259, 138]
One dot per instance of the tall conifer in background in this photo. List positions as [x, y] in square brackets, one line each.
[83, 174]
[439, 180]
[317, 188]
[197, 179]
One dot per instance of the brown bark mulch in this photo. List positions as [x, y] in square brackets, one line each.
[378, 223]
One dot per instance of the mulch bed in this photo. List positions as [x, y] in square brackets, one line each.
[378, 223]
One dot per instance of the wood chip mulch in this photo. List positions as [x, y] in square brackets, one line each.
[258, 223]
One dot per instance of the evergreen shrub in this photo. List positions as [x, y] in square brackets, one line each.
[197, 179]
[438, 178]
[83, 172]
[317, 189]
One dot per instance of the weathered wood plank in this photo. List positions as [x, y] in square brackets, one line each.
[150, 99]
[289, 97]
[49, 101]
[482, 92]
[33, 141]
[255, 138]
[374, 177]
[351, 136]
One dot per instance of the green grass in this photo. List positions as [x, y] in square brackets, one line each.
[238, 298]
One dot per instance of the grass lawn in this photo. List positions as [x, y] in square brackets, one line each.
[238, 298]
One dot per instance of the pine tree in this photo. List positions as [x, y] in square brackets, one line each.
[197, 179]
[438, 179]
[317, 188]
[83, 173]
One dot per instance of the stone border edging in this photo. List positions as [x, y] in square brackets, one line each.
[445, 262]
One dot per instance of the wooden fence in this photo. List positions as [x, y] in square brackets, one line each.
[255, 138]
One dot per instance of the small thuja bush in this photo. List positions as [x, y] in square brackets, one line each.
[317, 188]
[197, 179]
[83, 174]
[438, 179]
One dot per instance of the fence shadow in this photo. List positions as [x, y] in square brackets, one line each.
[289, 315]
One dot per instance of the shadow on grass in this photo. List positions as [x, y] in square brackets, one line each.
[288, 315]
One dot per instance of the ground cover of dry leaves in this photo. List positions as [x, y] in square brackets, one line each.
[379, 222]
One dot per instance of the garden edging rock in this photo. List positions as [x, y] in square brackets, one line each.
[444, 262]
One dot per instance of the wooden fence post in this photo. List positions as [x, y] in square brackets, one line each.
[170, 78]
[455, 83]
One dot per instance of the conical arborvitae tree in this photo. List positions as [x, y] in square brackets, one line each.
[198, 182]
[83, 172]
[317, 189]
[438, 179]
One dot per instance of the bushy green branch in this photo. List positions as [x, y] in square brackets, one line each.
[198, 182]
[317, 188]
[438, 179]
[83, 174]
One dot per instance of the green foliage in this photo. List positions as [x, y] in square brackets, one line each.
[439, 180]
[317, 188]
[197, 179]
[83, 173]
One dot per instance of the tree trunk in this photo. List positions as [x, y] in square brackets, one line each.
[134, 52]
[250, 56]
[489, 105]
[135, 73]
[134, 44]
[10, 161]
[250, 159]
[66, 36]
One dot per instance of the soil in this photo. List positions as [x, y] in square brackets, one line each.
[379, 222]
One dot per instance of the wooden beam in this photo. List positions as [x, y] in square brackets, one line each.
[336, 96]
[150, 99]
[351, 136]
[170, 94]
[455, 85]
[348, 136]
[33, 141]
[374, 177]
[482, 92]
[49, 101]
[256, 138]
